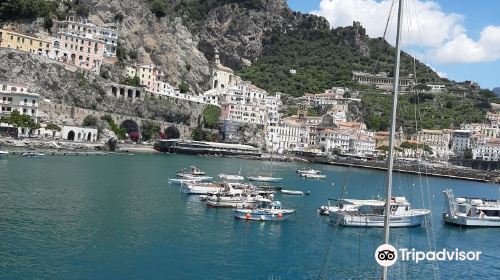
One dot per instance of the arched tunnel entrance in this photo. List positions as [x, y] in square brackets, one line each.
[172, 132]
[71, 135]
[132, 129]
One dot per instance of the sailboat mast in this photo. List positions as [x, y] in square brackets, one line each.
[390, 158]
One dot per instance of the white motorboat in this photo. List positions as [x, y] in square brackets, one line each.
[267, 179]
[313, 176]
[472, 212]
[198, 178]
[267, 210]
[4, 154]
[182, 181]
[291, 192]
[234, 196]
[326, 209]
[370, 213]
[308, 171]
[235, 200]
[32, 154]
[229, 177]
[201, 188]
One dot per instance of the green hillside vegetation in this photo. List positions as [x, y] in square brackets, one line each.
[324, 58]
[434, 111]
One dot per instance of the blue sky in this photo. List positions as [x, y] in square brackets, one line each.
[463, 55]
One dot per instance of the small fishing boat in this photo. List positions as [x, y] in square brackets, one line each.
[4, 154]
[261, 178]
[193, 171]
[308, 171]
[371, 213]
[313, 176]
[292, 192]
[32, 154]
[267, 210]
[201, 188]
[471, 212]
[229, 177]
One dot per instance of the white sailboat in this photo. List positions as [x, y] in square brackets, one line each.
[231, 177]
[267, 178]
[264, 178]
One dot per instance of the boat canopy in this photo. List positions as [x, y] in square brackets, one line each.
[489, 208]
[369, 202]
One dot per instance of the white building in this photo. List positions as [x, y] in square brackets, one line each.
[437, 88]
[222, 77]
[489, 151]
[382, 80]
[362, 146]
[244, 103]
[288, 136]
[15, 96]
[474, 128]
[87, 29]
[437, 140]
[79, 133]
[331, 140]
[461, 141]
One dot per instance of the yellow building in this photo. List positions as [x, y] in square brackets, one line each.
[13, 40]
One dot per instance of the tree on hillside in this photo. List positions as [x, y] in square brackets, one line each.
[159, 8]
[211, 116]
[18, 120]
[90, 120]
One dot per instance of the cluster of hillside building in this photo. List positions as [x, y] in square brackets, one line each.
[87, 45]
[473, 140]
[382, 81]
[76, 42]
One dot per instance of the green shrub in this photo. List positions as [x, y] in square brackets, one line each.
[90, 120]
[159, 8]
[183, 87]
[211, 116]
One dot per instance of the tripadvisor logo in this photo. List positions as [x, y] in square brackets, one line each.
[387, 255]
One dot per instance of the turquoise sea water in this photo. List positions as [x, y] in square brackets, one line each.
[116, 217]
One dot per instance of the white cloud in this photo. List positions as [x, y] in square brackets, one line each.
[442, 35]
[463, 49]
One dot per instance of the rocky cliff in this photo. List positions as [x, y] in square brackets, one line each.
[183, 42]
[53, 81]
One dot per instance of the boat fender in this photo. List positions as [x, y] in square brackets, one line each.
[280, 215]
[248, 216]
